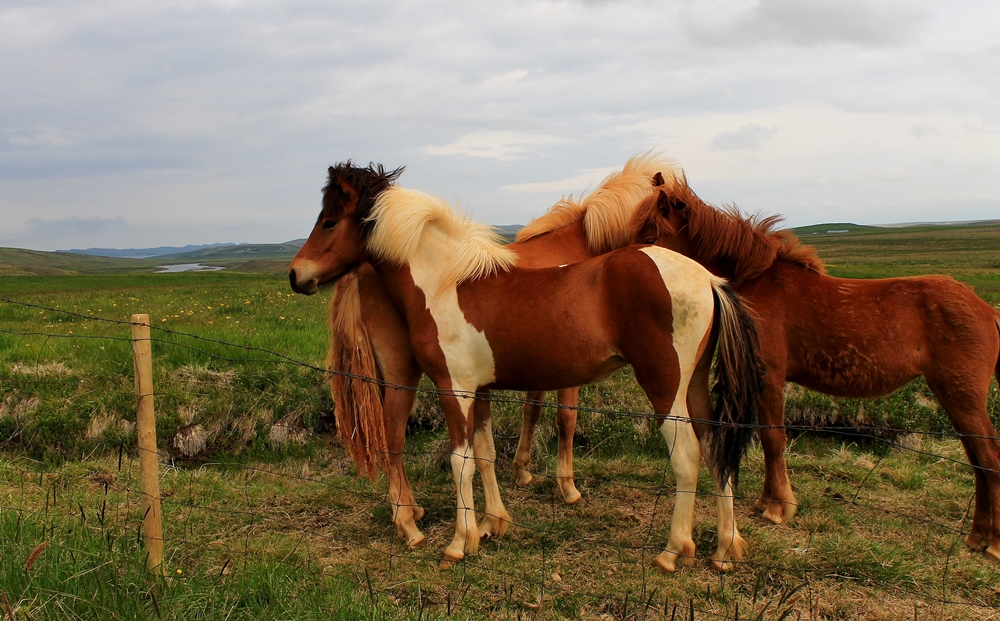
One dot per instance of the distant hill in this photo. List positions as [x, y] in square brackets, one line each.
[508, 231]
[832, 228]
[141, 253]
[271, 258]
[20, 262]
[240, 252]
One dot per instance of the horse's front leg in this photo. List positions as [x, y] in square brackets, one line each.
[458, 413]
[496, 519]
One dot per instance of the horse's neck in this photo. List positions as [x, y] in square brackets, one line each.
[567, 244]
[719, 266]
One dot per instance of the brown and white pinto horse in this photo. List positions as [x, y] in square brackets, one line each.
[844, 337]
[476, 323]
[369, 338]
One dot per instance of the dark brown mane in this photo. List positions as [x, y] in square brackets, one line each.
[747, 245]
[369, 183]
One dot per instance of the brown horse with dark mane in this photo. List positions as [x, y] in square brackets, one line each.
[369, 338]
[843, 337]
[476, 322]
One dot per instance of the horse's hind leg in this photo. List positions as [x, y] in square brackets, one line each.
[685, 457]
[965, 402]
[777, 500]
[495, 518]
[530, 412]
[566, 424]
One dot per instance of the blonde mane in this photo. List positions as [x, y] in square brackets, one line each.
[607, 210]
[402, 218]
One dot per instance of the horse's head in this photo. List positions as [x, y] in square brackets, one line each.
[662, 219]
[337, 242]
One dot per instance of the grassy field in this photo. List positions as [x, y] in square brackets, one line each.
[969, 253]
[270, 521]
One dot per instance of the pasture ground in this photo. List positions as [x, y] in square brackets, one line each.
[262, 526]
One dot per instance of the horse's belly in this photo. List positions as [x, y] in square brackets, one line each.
[550, 371]
[850, 371]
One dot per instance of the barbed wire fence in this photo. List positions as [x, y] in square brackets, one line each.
[522, 590]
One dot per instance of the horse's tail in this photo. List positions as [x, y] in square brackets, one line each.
[996, 371]
[739, 381]
[357, 400]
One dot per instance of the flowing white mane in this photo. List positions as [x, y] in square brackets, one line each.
[607, 210]
[403, 218]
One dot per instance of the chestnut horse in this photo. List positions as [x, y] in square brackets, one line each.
[844, 337]
[369, 338]
[477, 323]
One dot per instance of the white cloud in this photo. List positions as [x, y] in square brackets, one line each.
[865, 23]
[581, 183]
[495, 145]
[746, 137]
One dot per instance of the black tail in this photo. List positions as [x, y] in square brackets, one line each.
[739, 382]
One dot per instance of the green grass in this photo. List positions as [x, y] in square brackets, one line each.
[970, 254]
[260, 529]
[78, 557]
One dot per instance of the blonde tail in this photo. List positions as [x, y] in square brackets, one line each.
[357, 401]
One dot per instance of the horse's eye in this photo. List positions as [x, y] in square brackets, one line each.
[650, 240]
[329, 224]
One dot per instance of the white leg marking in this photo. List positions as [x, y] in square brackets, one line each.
[731, 543]
[496, 519]
[466, 540]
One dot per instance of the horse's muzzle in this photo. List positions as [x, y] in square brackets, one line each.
[308, 287]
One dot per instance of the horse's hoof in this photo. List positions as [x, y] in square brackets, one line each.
[776, 512]
[993, 552]
[449, 561]
[666, 562]
[417, 541]
[418, 512]
[574, 498]
[522, 477]
[494, 527]
[722, 566]
[725, 558]
[977, 542]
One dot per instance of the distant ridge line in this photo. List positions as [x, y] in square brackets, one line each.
[166, 251]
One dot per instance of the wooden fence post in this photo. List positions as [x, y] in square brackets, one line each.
[145, 428]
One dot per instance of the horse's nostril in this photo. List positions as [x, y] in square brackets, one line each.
[291, 279]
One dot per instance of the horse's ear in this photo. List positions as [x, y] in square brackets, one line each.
[658, 180]
[350, 198]
[667, 204]
[663, 203]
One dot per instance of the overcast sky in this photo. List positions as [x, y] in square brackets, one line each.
[135, 124]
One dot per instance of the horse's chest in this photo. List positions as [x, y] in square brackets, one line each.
[466, 352]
